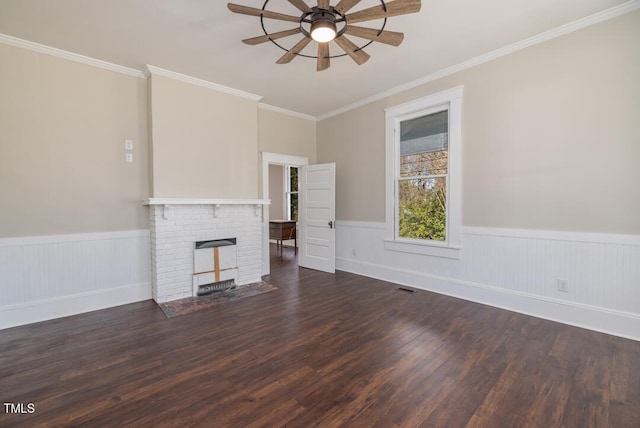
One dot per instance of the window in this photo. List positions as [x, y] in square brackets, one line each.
[423, 170]
[423, 174]
[291, 192]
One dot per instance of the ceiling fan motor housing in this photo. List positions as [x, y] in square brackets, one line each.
[323, 26]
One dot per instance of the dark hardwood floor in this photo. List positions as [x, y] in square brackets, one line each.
[322, 350]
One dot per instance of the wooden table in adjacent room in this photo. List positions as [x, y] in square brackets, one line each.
[283, 230]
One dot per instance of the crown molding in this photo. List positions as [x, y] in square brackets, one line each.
[59, 53]
[287, 112]
[152, 70]
[605, 15]
[596, 18]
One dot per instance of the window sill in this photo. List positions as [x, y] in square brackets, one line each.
[426, 249]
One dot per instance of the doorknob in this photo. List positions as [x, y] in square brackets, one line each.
[331, 224]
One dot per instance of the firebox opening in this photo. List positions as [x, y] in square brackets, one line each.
[216, 287]
[215, 266]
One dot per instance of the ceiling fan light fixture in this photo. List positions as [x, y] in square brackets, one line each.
[323, 30]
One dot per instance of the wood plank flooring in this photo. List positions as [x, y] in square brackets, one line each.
[322, 351]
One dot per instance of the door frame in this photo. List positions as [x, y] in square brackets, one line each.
[273, 159]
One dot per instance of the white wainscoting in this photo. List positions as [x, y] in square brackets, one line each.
[46, 277]
[516, 270]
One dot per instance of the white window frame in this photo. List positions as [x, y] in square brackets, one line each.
[450, 100]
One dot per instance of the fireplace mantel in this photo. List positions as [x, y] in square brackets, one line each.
[167, 202]
[195, 201]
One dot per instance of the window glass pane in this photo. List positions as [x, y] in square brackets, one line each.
[293, 207]
[434, 163]
[293, 179]
[422, 208]
[424, 145]
[292, 194]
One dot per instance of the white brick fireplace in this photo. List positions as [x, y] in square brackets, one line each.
[177, 224]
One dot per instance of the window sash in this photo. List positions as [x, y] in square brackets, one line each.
[422, 177]
[398, 177]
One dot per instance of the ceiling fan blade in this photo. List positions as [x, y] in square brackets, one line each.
[345, 5]
[323, 57]
[246, 10]
[359, 56]
[300, 4]
[323, 4]
[286, 58]
[272, 36]
[394, 8]
[388, 37]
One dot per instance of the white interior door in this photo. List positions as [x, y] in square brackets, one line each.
[317, 214]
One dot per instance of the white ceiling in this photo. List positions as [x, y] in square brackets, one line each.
[202, 39]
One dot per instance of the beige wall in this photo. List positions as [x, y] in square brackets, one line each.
[551, 141]
[285, 134]
[551, 137]
[276, 192]
[355, 142]
[62, 157]
[205, 142]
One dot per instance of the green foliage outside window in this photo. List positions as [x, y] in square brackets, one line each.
[293, 193]
[422, 200]
[423, 213]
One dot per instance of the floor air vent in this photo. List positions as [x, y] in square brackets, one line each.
[406, 290]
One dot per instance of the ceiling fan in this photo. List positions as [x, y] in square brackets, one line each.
[325, 23]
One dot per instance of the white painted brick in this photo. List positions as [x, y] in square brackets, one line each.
[173, 240]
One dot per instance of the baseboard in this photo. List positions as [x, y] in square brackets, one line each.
[612, 322]
[43, 310]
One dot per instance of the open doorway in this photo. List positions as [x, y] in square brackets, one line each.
[279, 185]
[283, 210]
